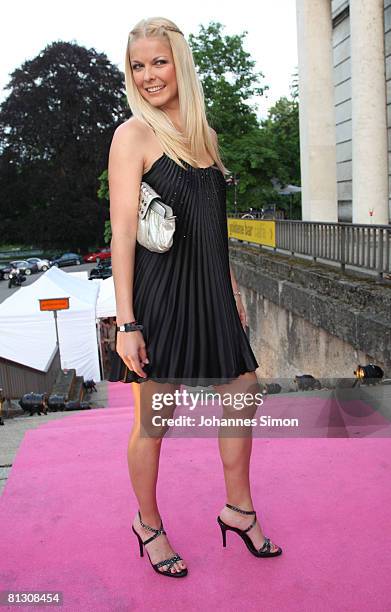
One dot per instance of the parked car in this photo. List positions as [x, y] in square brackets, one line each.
[67, 259]
[102, 270]
[2, 267]
[98, 255]
[43, 264]
[24, 266]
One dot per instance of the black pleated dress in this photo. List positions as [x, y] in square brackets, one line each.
[184, 297]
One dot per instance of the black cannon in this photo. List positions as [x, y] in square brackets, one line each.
[34, 403]
[56, 402]
[370, 374]
[307, 382]
[271, 388]
[77, 405]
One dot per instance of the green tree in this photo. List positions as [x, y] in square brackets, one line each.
[282, 125]
[232, 86]
[281, 130]
[56, 127]
[228, 78]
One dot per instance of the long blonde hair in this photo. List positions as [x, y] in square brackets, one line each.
[196, 141]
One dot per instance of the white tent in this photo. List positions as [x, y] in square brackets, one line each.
[27, 335]
[83, 274]
[105, 306]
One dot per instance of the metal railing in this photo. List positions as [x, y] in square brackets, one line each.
[361, 246]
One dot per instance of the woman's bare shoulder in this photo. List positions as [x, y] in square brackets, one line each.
[131, 132]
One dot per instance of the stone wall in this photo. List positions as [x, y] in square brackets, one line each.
[310, 319]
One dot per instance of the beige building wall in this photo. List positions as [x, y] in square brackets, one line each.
[316, 111]
[362, 126]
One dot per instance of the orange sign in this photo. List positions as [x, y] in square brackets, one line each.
[54, 304]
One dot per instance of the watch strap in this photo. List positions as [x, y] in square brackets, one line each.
[128, 327]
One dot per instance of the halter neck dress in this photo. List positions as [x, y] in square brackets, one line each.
[183, 297]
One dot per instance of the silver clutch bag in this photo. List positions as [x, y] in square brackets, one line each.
[156, 222]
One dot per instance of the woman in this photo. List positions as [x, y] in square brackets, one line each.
[186, 298]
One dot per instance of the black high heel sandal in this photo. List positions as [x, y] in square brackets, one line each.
[169, 561]
[264, 551]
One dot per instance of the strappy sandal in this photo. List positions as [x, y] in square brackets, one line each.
[169, 561]
[264, 551]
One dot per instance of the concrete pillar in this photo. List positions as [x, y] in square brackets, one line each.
[369, 112]
[317, 115]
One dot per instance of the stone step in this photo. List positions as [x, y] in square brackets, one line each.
[64, 383]
[77, 391]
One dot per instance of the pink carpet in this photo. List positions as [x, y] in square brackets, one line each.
[66, 511]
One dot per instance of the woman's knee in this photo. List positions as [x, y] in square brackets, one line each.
[242, 397]
[155, 412]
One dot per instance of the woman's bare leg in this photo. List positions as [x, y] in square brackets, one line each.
[235, 454]
[143, 462]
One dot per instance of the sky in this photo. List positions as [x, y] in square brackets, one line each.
[28, 27]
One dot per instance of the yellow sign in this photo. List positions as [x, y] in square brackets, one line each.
[253, 230]
[54, 304]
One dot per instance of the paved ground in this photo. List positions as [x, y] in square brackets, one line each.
[11, 434]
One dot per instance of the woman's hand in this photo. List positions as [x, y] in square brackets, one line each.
[132, 350]
[241, 310]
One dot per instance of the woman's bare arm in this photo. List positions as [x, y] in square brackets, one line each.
[233, 280]
[126, 163]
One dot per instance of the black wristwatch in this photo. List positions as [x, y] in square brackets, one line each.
[129, 327]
